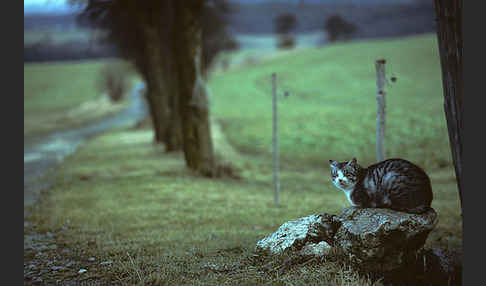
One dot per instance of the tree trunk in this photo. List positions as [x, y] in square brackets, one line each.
[450, 39]
[173, 136]
[194, 107]
[162, 94]
[154, 115]
[174, 141]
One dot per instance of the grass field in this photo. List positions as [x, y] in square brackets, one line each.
[62, 95]
[331, 112]
[122, 199]
[56, 36]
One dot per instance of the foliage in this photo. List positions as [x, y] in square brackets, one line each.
[286, 41]
[125, 29]
[215, 37]
[339, 28]
[123, 22]
[285, 23]
[113, 80]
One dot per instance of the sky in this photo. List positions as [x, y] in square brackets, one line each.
[61, 6]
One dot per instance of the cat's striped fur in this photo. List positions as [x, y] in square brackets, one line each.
[394, 183]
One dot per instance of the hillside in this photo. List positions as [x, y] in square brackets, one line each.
[373, 20]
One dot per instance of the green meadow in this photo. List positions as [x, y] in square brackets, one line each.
[51, 36]
[120, 198]
[331, 110]
[64, 94]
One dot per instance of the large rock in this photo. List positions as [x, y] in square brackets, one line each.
[382, 239]
[375, 240]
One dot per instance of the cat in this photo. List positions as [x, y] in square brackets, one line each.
[395, 184]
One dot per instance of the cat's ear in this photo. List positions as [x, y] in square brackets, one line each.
[333, 163]
[352, 162]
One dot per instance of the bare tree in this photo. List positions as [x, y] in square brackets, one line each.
[140, 31]
[164, 40]
[450, 40]
[194, 106]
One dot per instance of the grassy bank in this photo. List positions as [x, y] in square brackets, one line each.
[331, 110]
[121, 199]
[63, 95]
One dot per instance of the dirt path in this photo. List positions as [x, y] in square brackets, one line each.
[49, 151]
[45, 262]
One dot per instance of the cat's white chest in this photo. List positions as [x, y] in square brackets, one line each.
[347, 191]
[348, 196]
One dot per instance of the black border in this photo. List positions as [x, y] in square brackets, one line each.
[474, 142]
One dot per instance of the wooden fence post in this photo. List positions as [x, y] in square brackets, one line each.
[380, 121]
[275, 140]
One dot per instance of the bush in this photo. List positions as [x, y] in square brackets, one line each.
[114, 80]
[337, 28]
[285, 23]
[286, 41]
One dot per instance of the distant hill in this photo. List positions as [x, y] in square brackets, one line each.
[373, 20]
[392, 19]
[38, 21]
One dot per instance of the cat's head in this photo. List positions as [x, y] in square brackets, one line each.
[345, 175]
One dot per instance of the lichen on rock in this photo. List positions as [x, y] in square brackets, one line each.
[375, 239]
[312, 235]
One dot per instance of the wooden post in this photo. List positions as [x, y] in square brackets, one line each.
[380, 120]
[450, 40]
[275, 140]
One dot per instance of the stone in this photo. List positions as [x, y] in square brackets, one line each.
[381, 240]
[311, 235]
[315, 249]
[372, 240]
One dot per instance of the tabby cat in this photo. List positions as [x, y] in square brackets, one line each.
[394, 184]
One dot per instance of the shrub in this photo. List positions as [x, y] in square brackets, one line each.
[284, 25]
[337, 28]
[286, 41]
[113, 81]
